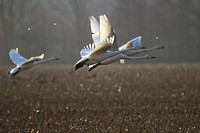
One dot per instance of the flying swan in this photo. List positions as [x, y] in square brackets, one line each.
[23, 63]
[134, 47]
[105, 51]
[104, 41]
[104, 46]
[128, 55]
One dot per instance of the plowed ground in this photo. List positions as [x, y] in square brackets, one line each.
[141, 98]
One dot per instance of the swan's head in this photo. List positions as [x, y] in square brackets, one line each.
[14, 71]
[142, 47]
[80, 63]
[161, 47]
[56, 58]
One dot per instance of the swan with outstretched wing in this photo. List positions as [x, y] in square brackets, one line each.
[104, 43]
[23, 63]
[104, 49]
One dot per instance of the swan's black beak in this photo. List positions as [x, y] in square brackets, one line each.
[162, 46]
[142, 47]
[57, 58]
[79, 64]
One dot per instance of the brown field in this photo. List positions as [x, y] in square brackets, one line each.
[141, 98]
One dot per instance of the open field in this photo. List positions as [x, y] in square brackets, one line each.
[141, 98]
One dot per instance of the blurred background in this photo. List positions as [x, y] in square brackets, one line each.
[61, 27]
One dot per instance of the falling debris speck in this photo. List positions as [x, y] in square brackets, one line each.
[137, 75]
[88, 89]
[54, 24]
[81, 85]
[29, 28]
[99, 86]
[157, 37]
[28, 85]
[119, 90]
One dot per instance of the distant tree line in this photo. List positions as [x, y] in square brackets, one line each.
[61, 27]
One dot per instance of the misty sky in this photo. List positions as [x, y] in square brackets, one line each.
[61, 27]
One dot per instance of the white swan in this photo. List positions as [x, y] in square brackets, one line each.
[134, 52]
[104, 42]
[134, 47]
[126, 56]
[92, 54]
[23, 63]
[136, 42]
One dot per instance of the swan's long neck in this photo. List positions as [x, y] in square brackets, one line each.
[45, 60]
[134, 52]
[121, 56]
[135, 58]
[151, 49]
[113, 53]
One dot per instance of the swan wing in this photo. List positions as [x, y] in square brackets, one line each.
[106, 31]
[105, 28]
[103, 47]
[134, 43]
[16, 58]
[87, 50]
[95, 28]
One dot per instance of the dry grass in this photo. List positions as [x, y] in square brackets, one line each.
[108, 99]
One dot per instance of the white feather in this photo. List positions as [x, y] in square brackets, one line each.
[16, 58]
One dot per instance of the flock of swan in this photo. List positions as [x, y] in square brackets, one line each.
[103, 51]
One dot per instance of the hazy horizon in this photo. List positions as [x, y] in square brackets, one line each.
[61, 28]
